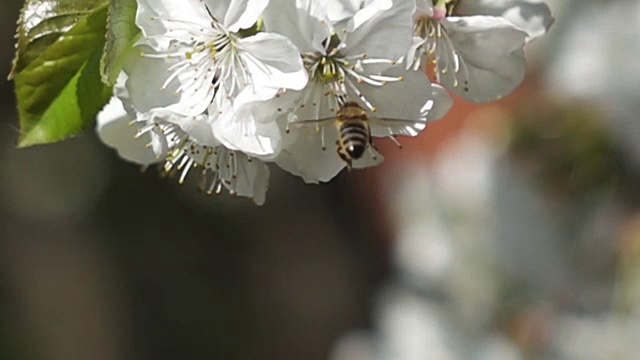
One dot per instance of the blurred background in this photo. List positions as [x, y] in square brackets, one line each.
[509, 230]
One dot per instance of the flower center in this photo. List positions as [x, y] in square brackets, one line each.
[438, 48]
[325, 69]
[425, 26]
[206, 62]
[339, 75]
[443, 8]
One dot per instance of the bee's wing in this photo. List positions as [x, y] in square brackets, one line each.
[382, 127]
[310, 124]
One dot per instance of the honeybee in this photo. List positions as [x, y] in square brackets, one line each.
[355, 128]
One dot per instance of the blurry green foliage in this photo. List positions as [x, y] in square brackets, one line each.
[568, 148]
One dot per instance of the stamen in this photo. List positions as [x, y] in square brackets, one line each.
[377, 61]
[384, 79]
[185, 170]
[439, 50]
[183, 161]
[361, 97]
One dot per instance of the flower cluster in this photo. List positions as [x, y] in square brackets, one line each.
[226, 86]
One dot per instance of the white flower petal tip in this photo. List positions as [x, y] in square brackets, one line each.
[532, 16]
[248, 135]
[326, 166]
[488, 58]
[115, 128]
[439, 104]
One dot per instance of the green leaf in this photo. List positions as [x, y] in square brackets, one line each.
[121, 34]
[42, 22]
[75, 107]
[60, 90]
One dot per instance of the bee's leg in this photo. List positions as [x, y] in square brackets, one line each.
[372, 144]
[395, 141]
[345, 157]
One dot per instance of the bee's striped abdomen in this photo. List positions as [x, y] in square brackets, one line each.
[353, 129]
[354, 137]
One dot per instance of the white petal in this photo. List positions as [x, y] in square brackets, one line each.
[304, 157]
[440, 105]
[158, 139]
[424, 8]
[414, 99]
[115, 129]
[247, 135]
[218, 8]
[236, 14]
[252, 179]
[370, 158]
[268, 111]
[157, 17]
[381, 33]
[147, 90]
[304, 22]
[273, 62]
[122, 93]
[400, 99]
[532, 16]
[490, 56]
[199, 128]
[159, 143]
[338, 10]
[367, 11]
[411, 60]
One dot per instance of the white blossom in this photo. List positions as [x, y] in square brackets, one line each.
[478, 57]
[350, 60]
[221, 87]
[154, 138]
[340, 60]
[196, 60]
